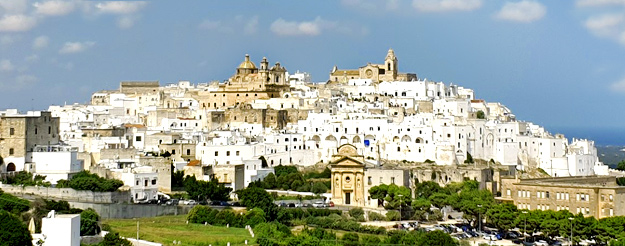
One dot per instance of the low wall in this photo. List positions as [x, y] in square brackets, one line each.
[67, 194]
[129, 211]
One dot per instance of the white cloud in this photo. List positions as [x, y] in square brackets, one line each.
[12, 7]
[294, 28]
[120, 7]
[251, 26]
[7, 40]
[209, 24]
[6, 65]
[618, 86]
[126, 22]
[41, 42]
[17, 23]
[75, 47]
[373, 5]
[596, 3]
[446, 5]
[54, 8]
[24, 81]
[607, 25]
[32, 58]
[523, 11]
[315, 27]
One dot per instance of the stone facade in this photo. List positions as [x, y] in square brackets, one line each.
[597, 196]
[19, 134]
[247, 84]
[348, 171]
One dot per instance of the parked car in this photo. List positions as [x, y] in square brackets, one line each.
[173, 202]
[490, 237]
[330, 204]
[189, 202]
[541, 243]
[318, 205]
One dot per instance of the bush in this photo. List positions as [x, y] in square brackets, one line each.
[85, 180]
[357, 213]
[200, 215]
[350, 239]
[392, 215]
[13, 231]
[89, 222]
[113, 239]
[373, 216]
[13, 204]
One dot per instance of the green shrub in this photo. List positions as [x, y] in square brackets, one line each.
[392, 215]
[373, 216]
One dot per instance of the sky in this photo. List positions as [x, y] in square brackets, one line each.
[560, 64]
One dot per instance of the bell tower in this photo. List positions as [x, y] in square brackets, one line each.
[391, 64]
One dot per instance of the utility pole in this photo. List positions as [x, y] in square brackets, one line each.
[525, 227]
[400, 203]
[137, 229]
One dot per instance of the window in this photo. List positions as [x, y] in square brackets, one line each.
[225, 177]
[392, 180]
[153, 181]
[237, 153]
[602, 198]
[145, 182]
[188, 151]
[508, 192]
[49, 130]
[12, 131]
[137, 183]
[227, 153]
[173, 151]
[216, 153]
[138, 138]
[369, 180]
[611, 198]
[36, 131]
[11, 151]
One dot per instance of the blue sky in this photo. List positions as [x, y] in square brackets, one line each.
[560, 64]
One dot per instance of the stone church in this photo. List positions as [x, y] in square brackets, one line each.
[375, 72]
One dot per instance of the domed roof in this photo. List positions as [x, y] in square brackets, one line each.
[247, 63]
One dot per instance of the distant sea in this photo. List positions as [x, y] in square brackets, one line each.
[601, 136]
[609, 141]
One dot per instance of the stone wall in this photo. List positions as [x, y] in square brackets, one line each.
[129, 211]
[67, 194]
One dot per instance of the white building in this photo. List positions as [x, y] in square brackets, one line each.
[59, 229]
[56, 162]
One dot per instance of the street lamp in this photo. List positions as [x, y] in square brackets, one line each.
[525, 228]
[400, 202]
[571, 239]
[479, 218]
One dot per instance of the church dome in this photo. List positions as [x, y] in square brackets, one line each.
[247, 63]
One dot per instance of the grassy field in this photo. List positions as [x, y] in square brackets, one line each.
[166, 229]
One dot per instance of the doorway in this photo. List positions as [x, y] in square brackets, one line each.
[348, 198]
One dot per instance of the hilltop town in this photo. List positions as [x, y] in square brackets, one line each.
[370, 126]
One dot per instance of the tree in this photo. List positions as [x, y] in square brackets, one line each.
[480, 114]
[113, 239]
[357, 213]
[85, 180]
[427, 189]
[502, 216]
[254, 197]
[436, 238]
[13, 231]
[203, 190]
[469, 159]
[269, 181]
[177, 178]
[319, 188]
[89, 220]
